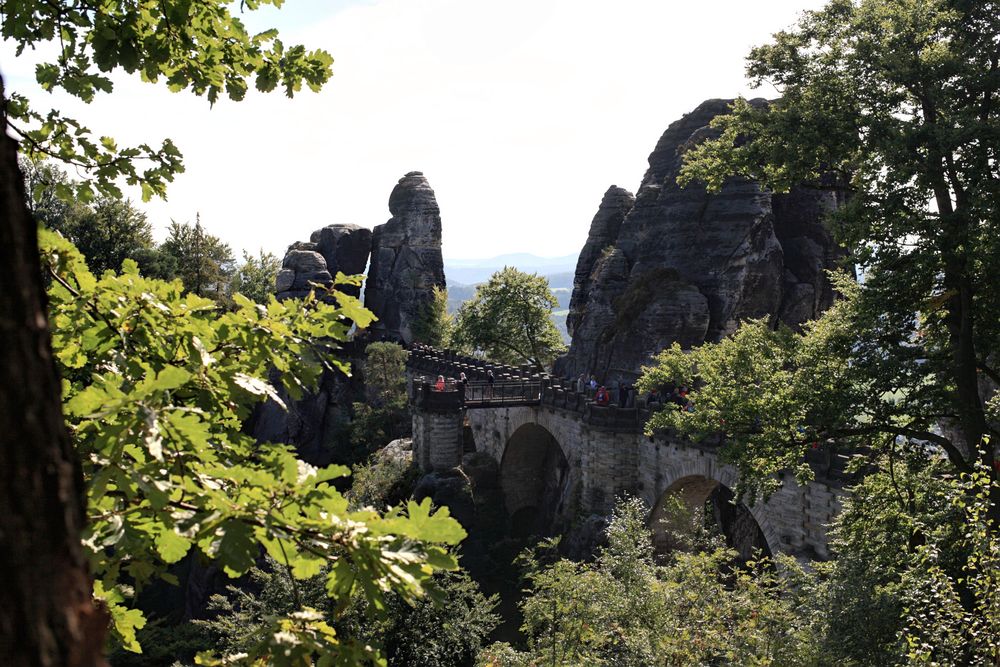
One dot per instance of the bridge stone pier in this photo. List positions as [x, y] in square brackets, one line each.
[561, 456]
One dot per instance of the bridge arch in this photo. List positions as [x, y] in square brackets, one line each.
[746, 527]
[535, 479]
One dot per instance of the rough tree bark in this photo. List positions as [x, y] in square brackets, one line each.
[47, 617]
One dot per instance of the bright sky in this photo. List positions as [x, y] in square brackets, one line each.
[520, 113]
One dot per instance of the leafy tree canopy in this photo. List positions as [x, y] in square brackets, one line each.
[625, 608]
[385, 372]
[157, 386]
[896, 100]
[203, 262]
[510, 320]
[254, 278]
[197, 46]
[434, 327]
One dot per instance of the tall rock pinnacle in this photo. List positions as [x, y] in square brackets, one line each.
[683, 265]
[406, 261]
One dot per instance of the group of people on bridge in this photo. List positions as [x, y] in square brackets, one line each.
[625, 394]
[461, 384]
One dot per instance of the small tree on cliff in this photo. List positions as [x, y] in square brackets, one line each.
[383, 416]
[510, 320]
[434, 326]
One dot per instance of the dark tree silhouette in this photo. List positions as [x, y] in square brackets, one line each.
[47, 617]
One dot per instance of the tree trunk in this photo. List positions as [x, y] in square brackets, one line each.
[47, 617]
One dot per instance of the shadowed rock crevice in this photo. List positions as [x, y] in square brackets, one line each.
[604, 229]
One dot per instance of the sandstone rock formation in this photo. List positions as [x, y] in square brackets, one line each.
[615, 205]
[345, 248]
[333, 248]
[301, 266]
[406, 261]
[687, 266]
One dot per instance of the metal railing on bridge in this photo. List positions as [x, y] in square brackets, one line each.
[456, 396]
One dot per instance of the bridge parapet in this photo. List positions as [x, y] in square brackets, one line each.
[520, 385]
[449, 363]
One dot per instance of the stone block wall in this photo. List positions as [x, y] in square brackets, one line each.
[606, 463]
[437, 440]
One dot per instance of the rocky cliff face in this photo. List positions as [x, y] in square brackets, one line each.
[406, 261]
[604, 229]
[687, 266]
[406, 264]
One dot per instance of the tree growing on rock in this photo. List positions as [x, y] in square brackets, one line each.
[900, 101]
[383, 417]
[510, 320]
[435, 325]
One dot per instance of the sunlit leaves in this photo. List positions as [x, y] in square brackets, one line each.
[197, 46]
[159, 383]
[510, 319]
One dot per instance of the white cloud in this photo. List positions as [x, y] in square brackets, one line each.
[520, 113]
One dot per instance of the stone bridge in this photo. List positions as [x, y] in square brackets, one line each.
[561, 456]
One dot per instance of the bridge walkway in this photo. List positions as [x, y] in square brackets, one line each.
[523, 386]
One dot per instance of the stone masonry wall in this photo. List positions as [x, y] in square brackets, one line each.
[437, 440]
[605, 463]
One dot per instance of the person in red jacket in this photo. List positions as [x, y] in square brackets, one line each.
[602, 397]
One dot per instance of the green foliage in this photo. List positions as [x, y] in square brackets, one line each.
[240, 618]
[914, 580]
[48, 189]
[107, 231]
[775, 394]
[625, 609]
[157, 386]
[383, 481]
[371, 428]
[384, 416]
[435, 325]
[510, 320]
[896, 101]
[448, 631]
[163, 644]
[860, 597]
[953, 618]
[202, 261]
[445, 631]
[195, 46]
[385, 373]
[254, 278]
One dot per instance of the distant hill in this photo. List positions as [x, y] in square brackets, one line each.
[464, 274]
[472, 271]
